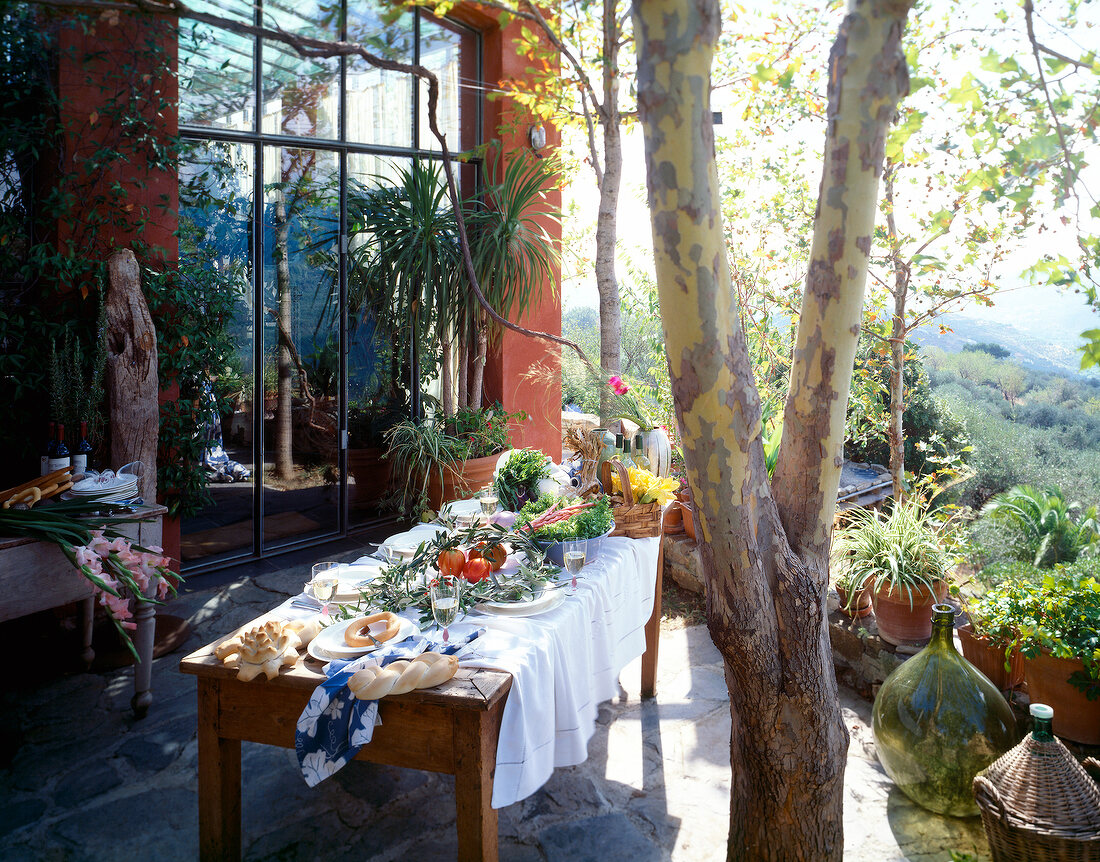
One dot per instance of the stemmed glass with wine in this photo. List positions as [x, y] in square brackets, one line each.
[446, 593]
[574, 553]
[324, 583]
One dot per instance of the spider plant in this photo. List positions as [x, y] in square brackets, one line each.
[902, 551]
[416, 450]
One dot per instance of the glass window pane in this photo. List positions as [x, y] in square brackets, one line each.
[301, 96]
[216, 78]
[215, 230]
[301, 343]
[451, 53]
[378, 375]
[380, 103]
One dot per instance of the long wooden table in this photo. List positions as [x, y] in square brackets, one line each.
[451, 729]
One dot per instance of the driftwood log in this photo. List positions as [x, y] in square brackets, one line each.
[132, 383]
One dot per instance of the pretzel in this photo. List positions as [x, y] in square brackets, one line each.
[400, 677]
[357, 634]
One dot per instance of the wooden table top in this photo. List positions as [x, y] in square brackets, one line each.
[470, 688]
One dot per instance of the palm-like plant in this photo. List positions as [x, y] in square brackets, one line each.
[512, 253]
[405, 262]
[1051, 529]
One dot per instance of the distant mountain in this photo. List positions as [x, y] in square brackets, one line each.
[1041, 327]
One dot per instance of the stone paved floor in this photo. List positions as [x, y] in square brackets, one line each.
[81, 779]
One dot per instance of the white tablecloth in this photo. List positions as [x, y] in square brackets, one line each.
[563, 663]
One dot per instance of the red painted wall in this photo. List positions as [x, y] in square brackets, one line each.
[522, 373]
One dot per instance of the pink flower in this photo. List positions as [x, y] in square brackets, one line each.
[616, 383]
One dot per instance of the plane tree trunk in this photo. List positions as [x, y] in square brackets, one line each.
[764, 549]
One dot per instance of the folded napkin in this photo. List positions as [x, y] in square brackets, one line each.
[335, 724]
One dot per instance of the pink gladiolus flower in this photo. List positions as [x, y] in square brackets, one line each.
[616, 383]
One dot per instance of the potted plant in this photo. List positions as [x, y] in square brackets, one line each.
[900, 558]
[855, 601]
[517, 481]
[989, 638]
[368, 420]
[439, 461]
[1059, 635]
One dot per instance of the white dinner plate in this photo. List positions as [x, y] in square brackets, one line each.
[404, 545]
[549, 599]
[330, 644]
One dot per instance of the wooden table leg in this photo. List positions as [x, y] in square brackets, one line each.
[87, 620]
[219, 782]
[653, 628]
[475, 745]
[145, 617]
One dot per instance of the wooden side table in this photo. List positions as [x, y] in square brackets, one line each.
[36, 576]
[451, 729]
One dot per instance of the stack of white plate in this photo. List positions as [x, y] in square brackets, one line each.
[107, 488]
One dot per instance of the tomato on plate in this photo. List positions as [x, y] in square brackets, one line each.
[451, 562]
[477, 569]
[495, 555]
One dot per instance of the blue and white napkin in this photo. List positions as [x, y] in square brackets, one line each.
[335, 724]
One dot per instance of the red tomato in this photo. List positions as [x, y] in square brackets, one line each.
[477, 569]
[496, 555]
[451, 562]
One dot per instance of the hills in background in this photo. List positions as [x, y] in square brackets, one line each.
[1040, 326]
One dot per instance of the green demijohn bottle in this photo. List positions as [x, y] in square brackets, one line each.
[937, 722]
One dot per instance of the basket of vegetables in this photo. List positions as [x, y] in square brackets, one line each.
[551, 521]
[638, 501]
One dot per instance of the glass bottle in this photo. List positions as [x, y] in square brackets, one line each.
[640, 458]
[618, 447]
[627, 460]
[47, 452]
[937, 721]
[59, 458]
[82, 450]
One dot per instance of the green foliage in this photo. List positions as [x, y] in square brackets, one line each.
[520, 475]
[1051, 529]
[588, 524]
[903, 550]
[482, 431]
[988, 347]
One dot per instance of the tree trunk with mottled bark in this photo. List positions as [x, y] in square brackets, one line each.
[284, 419]
[765, 548]
[133, 386]
[609, 182]
[895, 433]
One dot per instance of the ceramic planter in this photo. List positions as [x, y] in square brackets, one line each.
[461, 480]
[990, 659]
[860, 606]
[674, 519]
[902, 623]
[371, 473]
[688, 515]
[1075, 716]
[658, 449]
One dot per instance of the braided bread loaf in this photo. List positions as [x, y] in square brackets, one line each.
[400, 677]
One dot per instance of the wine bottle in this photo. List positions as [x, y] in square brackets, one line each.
[618, 447]
[61, 457]
[82, 451]
[47, 452]
[628, 461]
[640, 458]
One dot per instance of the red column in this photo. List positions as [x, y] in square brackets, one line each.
[523, 373]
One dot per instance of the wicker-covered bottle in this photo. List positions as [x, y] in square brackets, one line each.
[937, 721]
[1038, 803]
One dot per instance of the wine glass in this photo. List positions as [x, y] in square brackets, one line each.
[445, 595]
[489, 501]
[325, 583]
[574, 552]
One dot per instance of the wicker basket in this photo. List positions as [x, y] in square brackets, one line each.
[633, 520]
[1039, 805]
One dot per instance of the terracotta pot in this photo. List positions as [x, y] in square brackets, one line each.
[461, 481]
[1075, 716]
[901, 624]
[674, 519]
[371, 473]
[688, 516]
[860, 606]
[990, 659]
